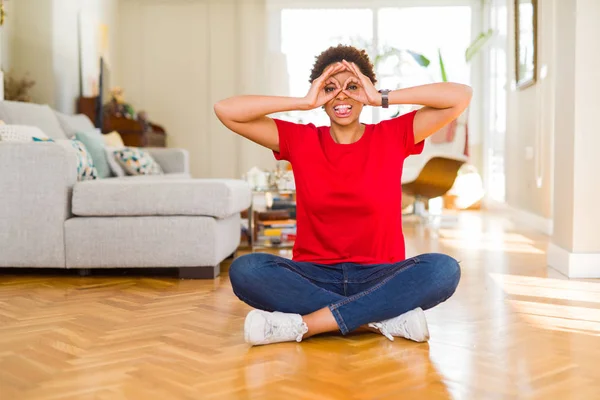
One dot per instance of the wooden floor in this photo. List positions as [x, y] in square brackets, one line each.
[513, 330]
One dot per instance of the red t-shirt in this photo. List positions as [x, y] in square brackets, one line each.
[348, 196]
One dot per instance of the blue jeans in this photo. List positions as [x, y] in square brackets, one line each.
[355, 294]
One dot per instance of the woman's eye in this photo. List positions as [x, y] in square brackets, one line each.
[329, 89]
[352, 87]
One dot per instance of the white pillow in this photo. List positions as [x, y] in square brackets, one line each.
[115, 167]
[20, 133]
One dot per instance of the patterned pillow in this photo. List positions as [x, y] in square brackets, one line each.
[85, 164]
[20, 133]
[137, 162]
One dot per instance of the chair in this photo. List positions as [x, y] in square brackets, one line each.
[432, 173]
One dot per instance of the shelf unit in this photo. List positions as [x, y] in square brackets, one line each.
[269, 240]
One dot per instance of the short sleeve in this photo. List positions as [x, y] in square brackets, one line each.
[404, 126]
[290, 138]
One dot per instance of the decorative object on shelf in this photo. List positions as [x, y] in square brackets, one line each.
[136, 130]
[257, 179]
[142, 117]
[117, 107]
[2, 13]
[282, 178]
[17, 89]
[525, 43]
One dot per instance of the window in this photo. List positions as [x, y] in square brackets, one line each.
[428, 31]
[328, 27]
[422, 30]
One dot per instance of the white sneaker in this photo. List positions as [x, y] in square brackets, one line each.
[262, 327]
[410, 325]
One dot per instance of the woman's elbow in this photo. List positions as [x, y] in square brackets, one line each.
[466, 94]
[468, 91]
[220, 110]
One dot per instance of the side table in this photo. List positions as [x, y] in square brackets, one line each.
[256, 243]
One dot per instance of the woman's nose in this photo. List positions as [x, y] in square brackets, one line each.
[342, 96]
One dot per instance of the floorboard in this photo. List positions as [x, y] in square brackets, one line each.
[514, 329]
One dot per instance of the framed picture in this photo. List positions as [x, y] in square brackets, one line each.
[526, 42]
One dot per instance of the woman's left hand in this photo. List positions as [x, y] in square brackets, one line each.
[360, 88]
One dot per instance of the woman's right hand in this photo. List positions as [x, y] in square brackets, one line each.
[324, 88]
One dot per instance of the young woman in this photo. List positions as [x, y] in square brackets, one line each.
[349, 269]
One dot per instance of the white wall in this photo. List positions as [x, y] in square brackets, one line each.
[30, 49]
[586, 238]
[530, 114]
[575, 246]
[577, 139]
[42, 40]
[183, 56]
[66, 47]
[6, 34]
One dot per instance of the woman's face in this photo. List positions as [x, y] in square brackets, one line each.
[342, 109]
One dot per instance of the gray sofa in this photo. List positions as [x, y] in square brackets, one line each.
[48, 219]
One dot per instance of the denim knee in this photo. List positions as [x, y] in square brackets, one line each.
[445, 269]
[243, 270]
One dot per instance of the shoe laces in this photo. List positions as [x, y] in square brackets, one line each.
[396, 325]
[286, 329]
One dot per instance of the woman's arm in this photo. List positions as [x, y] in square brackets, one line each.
[247, 115]
[443, 102]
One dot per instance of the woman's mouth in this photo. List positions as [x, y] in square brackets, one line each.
[342, 110]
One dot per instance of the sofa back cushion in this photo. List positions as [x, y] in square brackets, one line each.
[42, 116]
[73, 124]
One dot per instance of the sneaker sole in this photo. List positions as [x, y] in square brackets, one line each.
[424, 326]
[247, 325]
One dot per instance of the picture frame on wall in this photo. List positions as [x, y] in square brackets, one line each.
[526, 46]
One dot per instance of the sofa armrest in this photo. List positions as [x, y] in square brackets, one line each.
[36, 180]
[172, 161]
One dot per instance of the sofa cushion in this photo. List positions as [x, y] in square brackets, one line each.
[42, 116]
[174, 241]
[218, 198]
[72, 124]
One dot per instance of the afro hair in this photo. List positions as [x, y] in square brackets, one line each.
[339, 53]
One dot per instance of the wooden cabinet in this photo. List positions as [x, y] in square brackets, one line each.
[134, 133]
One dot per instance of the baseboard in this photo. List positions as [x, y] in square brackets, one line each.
[494, 205]
[531, 220]
[573, 265]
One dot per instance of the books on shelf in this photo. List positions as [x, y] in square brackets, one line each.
[278, 223]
